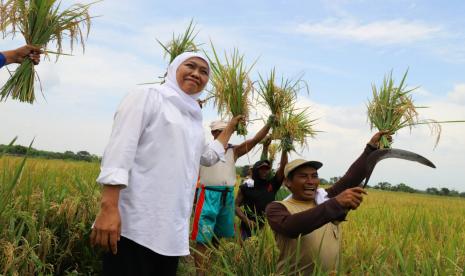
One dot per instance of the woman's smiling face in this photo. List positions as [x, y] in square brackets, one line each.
[192, 75]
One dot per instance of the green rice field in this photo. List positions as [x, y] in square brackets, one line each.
[47, 208]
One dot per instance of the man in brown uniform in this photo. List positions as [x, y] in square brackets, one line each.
[309, 219]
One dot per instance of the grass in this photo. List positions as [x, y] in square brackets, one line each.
[49, 206]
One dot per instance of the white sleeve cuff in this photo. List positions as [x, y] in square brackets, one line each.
[113, 176]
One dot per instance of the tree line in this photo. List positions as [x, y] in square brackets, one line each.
[18, 150]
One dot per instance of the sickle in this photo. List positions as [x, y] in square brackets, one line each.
[381, 154]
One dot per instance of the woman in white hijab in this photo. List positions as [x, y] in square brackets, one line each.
[149, 170]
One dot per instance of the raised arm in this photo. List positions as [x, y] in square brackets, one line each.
[214, 151]
[357, 171]
[246, 146]
[279, 176]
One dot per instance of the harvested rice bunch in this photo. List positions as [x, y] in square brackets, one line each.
[295, 127]
[41, 22]
[231, 86]
[392, 108]
[278, 99]
[182, 43]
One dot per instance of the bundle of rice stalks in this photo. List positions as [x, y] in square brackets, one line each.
[40, 22]
[278, 99]
[295, 127]
[181, 43]
[272, 151]
[392, 108]
[231, 86]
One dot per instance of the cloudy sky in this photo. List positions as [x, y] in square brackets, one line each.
[341, 47]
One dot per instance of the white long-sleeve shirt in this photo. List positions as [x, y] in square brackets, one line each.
[155, 151]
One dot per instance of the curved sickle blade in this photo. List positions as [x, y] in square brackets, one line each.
[381, 154]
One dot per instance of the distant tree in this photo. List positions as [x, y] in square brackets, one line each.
[462, 194]
[84, 155]
[445, 191]
[432, 191]
[324, 181]
[401, 187]
[383, 186]
[18, 149]
[69, 155]
[334, 179]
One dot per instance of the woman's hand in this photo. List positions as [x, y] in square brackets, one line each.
[107, 227]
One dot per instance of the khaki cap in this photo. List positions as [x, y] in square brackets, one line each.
[300, 162]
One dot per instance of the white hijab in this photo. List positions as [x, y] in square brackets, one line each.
[172, 92]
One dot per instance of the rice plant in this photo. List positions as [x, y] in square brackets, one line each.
[48, 213]
[278, 99]
[46, 210]
[272, 151]
[392, 108]
[295, 127]
[182, 43]
[231, 86]
[42, 23]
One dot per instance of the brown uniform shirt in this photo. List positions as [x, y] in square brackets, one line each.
[291, 219]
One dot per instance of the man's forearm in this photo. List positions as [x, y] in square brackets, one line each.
[226, 134]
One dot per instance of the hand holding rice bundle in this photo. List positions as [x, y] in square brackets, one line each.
[231, 86]
[40, 22]
[392, 108]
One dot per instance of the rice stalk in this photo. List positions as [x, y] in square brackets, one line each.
[295, 127]
[272, 151]
[392, 108]
[41, 22]
[181, 43]
[231, 86]
[278, 99]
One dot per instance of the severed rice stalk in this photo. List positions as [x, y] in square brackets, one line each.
[40, 22]
[231, 86]
[295, 127]
[278, 99]
[392, 108]
[272, 151]
[182, 43]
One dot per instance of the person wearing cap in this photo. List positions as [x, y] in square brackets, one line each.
[214, 211]
[309, 219]
[149, 170]
[256, 198]
[20, 54]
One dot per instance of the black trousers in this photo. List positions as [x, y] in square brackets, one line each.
[135, 259]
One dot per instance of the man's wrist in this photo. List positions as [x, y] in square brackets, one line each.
[9, 57]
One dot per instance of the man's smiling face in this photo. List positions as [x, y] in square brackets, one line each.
[303, 182]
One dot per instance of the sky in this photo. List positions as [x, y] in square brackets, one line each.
[339, 47]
